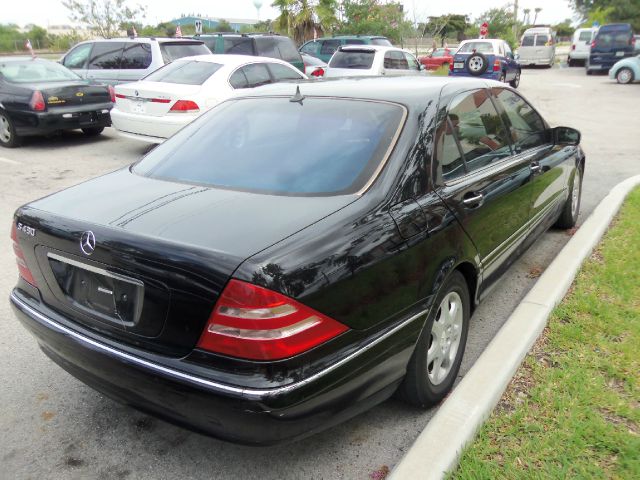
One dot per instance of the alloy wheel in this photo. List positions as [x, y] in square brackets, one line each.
[5, 129]
[446, 332]
[624, 76]
[575, 194]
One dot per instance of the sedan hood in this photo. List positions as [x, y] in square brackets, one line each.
[239, 224]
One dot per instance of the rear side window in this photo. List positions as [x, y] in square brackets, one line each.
[358, 59]
[526, 128]
[173, 51]
[585, 36]
[395, 60]
[411, 61]
[277, 47]
[288, 51]
[310, 48]
[77, 58]
[329, 47]
[238, 45]
[282, 72]
[254, 144]
[381, 41]
[185, 72]
[136, 55]
[528, 40]
[250, 76]
[479, 129]
[106, 56]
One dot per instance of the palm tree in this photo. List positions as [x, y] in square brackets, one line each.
[525, 20]
[301, 17]
[537, 10]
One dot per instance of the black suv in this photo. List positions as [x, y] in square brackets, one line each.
[258, 44]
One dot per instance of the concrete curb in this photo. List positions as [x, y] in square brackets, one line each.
[437, 449]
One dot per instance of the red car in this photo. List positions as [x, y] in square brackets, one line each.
[437, 58]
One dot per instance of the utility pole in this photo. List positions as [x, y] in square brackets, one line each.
[515, 19]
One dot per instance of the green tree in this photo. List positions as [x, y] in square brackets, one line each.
[105, 17]
[564, 28]
[501, 23]
[372, 17]
[608, 11]
[445, 26]
[38, 36]
[223, 26]
[300, 18]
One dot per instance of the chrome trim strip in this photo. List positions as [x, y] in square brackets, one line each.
[247, 392]
[99, 271]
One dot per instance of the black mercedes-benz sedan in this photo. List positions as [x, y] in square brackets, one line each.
[295, 256]
[39, 97]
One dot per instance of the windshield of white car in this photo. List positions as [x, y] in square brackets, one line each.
[186, 72]
[356, 59]
[480, 47]
[253, 144]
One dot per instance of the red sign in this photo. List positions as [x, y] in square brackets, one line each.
[484, 29]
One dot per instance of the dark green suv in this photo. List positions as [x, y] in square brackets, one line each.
[257, 44]
[323, 48]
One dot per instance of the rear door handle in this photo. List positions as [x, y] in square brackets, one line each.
[535, 167]
[473, 201]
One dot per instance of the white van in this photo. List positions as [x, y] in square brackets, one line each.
[538, 47]
[581, 45]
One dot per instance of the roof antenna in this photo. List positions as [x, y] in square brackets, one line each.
[298, 97]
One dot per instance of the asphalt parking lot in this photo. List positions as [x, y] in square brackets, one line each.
[53, 426]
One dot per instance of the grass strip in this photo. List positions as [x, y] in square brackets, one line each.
[573, 408]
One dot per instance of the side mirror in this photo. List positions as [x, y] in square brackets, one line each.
[565, 136]
[516, 56]
[422, 67]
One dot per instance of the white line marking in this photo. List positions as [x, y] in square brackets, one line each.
[7, 160]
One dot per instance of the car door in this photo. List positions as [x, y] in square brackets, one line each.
[104, 62]
[136, 59]
[77, 58]
[479, 179]
[395, 63]
[531, 141]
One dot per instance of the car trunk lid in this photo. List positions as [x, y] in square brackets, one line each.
[73, 94]
[153, 99]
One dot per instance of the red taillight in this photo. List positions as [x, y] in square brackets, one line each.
[451, 67]
[573, 47]
[37, 101]
[119, 95]
[496, 66]
[182, 105]
[252, 322]
[112, 94]
[593, 44]
[318, 72]
[23, 270]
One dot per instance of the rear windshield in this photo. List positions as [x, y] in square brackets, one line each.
[381, 41]
[356, 59]
[186, 72]
[35, 71]
[613, 38]
[541, 40]
[585, 36]
[481, 47]
[173, 51]
[263, 145]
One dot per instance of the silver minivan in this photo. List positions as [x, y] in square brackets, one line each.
[538, 47]
[581, 45]
[122, 60]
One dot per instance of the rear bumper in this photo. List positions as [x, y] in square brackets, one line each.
[39, 123]
[230, 412]
[148, 128]
[462, 73]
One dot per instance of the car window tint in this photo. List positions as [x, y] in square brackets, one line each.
[257, 74]
[106, 56]
[210, 43]
[254, 144]
[173, 51]
[267, 47]
[542, 40]
[354, 41]
[447, 153]
[479, 129]
[287, 49]
[329, 47]
[238, 45]
[185, 72]
[136, 55]
[526, 127]
[395, 60]
[528, 40]
[77, 58]
[411, 61]
[358, 59]
[585, 37]
[282, 72]
[381, 41]
[480, 47]
[238, 79]
[310, 47]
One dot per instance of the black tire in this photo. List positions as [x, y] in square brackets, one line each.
[624, 76]
[570, 211]
[8, 137]
[476, 64]
[516, 81]
[503, 78]
[92, 132]
[571, 62]
[417, 387]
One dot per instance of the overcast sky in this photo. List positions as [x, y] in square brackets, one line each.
[52, 12]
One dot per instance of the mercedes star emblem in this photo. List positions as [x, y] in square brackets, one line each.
[88, 242]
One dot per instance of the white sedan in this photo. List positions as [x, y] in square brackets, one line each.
[163, 102]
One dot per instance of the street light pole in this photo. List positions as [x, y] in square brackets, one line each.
[515, 19]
